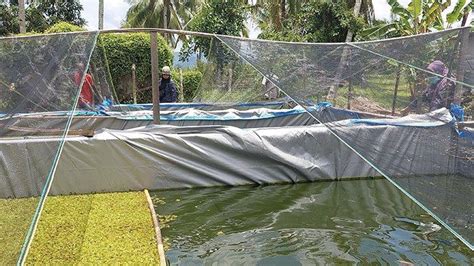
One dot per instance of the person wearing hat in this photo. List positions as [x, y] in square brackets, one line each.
[440, 85]
[437, 95]
[168, 91]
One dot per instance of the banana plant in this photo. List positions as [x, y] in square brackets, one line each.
[419, 16]
[460, 12]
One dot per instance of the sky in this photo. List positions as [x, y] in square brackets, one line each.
[115, 11]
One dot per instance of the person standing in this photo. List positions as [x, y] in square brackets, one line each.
[86, 97]
[168, 91]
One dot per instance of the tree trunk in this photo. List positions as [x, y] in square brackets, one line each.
[340, 68]
[21, 15]
[276, 14]
[166, 8]
[283, 9]
[165, 13]
[357, 6]
[464, 19]
[101, 14]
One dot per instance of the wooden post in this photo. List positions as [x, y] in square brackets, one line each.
[395, 91]
[181, 86]
[349, 93]
[134, 84]
[229, 82]
[154, 77]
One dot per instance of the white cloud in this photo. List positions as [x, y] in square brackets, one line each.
[114, 13]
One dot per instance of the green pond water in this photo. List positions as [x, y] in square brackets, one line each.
[345, 222]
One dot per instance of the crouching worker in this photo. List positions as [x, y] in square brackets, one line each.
[437, 95]
[438, 90]
[168, 91]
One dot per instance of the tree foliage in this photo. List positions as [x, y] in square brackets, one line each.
[40, 15]
[124, 50]
[418, 17]
[8, 20]
[316, 22]
[152, 14]
[219, 17]
[63, 27]
[191, 81]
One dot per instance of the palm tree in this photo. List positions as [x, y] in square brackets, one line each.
[173, 14]
[272, 13]
[168, 14]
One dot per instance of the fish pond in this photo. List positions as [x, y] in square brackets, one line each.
[343, 222]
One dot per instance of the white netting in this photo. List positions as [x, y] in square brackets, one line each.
[38, 75]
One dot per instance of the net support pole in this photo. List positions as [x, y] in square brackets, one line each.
[395, 90]
[154, 77]
[181, 86]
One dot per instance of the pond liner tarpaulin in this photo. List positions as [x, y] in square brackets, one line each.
[200, 106]
[252, 118]
[164, 157]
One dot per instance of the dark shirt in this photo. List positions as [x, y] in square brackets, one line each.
[168, 91]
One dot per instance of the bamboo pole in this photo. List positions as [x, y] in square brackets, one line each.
[134, 84]
[156, 225]
[395, 90]
[154, 77]
[171, 31]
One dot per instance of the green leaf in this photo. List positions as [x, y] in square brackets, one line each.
[415, 7]
[457, 12]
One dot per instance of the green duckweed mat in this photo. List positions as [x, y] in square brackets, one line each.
[85, 229]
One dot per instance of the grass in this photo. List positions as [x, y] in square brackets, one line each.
[84, 229]
[379, 90]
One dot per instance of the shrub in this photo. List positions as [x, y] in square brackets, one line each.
[63, 27]
[123, 50]
[191, 81]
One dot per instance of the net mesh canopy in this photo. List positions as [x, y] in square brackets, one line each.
[416, 76]
[38, 75]
[398, 104]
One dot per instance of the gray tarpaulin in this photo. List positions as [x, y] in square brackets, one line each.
[22, 125]
[160, 157]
